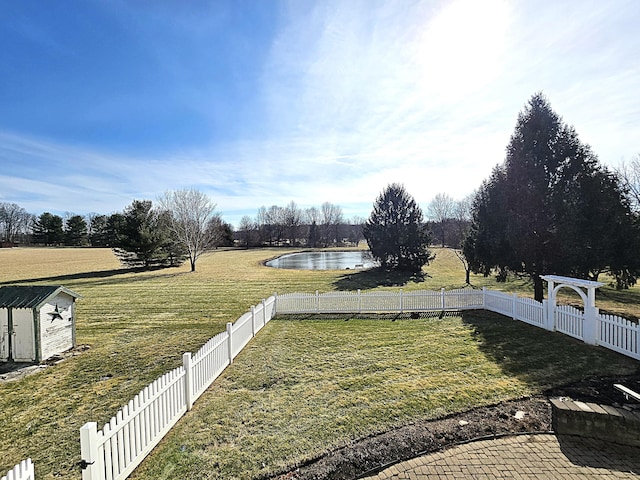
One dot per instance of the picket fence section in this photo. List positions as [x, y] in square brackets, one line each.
[609, 331]
[620, 335]
[22, 471]
[524, 309]
[115, 451]
[570, 321]
[379, 302]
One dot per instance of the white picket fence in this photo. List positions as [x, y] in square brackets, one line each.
[619, 334]
[609, 331]
[378, 302]
[115, 451]
[22, 471]
[570, 321]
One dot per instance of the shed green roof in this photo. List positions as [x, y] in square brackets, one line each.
[13, 296]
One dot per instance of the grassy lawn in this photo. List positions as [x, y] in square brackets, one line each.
[298, 389]
[303, 387]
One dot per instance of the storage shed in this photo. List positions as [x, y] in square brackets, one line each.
[36, 322]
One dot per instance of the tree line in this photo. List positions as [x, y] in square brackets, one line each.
[293, 226]
[549, 208]
[181, 226]
[274, 226]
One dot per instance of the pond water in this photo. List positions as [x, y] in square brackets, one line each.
[324, 261]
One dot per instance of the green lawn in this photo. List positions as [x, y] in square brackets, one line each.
[305, 386]
[298, 389]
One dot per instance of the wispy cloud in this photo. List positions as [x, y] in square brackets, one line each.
[333, 100]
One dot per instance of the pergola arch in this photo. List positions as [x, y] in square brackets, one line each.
[556, 282]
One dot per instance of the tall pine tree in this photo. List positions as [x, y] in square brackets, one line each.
[395, 231]
[551, 208]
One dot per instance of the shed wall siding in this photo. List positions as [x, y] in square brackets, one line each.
[23, 340]
[4, 334]
[56, 334]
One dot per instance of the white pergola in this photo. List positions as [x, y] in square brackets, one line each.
[556, 282]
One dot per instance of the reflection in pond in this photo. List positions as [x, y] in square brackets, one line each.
[324, 261]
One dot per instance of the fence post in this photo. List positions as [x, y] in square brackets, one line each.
[401, 302]
[545, 315]
[230, 341]
[513, 306]
[275, 303]
[264, 312]
[359, 302]
[442, 300]
[89, 452]
[590, 327]
[188, 380]
[484, 298]
[253, 321]
[317, 302]
[551, 315]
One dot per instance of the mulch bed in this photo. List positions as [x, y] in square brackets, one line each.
[372, 454]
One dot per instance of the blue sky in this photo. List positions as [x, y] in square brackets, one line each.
[265, 102]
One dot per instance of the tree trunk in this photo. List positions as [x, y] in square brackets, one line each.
[193, 264]
[467, 272]
[538, 288]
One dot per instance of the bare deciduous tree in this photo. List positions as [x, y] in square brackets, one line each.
[13, 220]
[462, 219]
[332, 219]
[191, 215]
[440, 211]
[292, 217]
[247, 230]
[629, 174]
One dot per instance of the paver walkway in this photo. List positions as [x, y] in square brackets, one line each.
[523, 457]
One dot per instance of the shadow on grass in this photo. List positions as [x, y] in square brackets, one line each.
[345, 317]
[376, 277]
[629, 296]
[538, 357]
[88, 275]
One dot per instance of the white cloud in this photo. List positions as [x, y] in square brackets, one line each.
[359, 94]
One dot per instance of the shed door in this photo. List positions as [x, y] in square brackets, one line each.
[23, 339]
[4, 334]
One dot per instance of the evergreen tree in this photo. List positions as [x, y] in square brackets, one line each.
[75, 231]
[143, 237]
[47, 229]
[395, 231]
[550, 208]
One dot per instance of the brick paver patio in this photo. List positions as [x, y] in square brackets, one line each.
[523, 457]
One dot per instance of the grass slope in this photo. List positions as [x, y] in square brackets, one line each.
[138, 324]
[304, 387]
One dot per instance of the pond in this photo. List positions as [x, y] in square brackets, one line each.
[324, 261]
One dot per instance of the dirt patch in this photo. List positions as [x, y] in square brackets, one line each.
[372, 454]
[10, 371]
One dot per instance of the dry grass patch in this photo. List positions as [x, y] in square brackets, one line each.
[302, 388]
[138, 324]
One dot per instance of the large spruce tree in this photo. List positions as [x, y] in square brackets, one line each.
[144, 238]
[48, 229]
[395, 231]
[551, 208]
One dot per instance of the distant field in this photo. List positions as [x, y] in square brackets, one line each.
[138, 324]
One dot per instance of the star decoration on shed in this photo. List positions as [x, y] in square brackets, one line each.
[56, 314]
